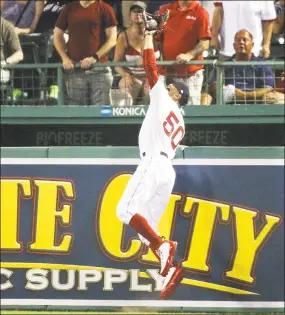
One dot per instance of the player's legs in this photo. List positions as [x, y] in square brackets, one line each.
[136, 193]
[164, 177]
[159, 200]
[174, 275]
[133, 209]
[158, 205]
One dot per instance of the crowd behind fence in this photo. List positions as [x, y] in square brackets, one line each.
[39, 33]
[45, 84]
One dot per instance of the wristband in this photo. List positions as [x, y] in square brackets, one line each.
[95, 56]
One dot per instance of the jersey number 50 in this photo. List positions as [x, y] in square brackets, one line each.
[173, 130]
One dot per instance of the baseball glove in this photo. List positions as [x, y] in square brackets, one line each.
[155, 22]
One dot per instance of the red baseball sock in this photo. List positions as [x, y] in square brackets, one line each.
[141, 226]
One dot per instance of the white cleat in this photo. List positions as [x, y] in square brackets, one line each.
[166, 253]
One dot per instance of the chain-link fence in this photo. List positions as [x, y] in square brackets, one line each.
[211, 83]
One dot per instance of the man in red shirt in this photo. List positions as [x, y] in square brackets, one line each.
[185, 37]
[92, 31]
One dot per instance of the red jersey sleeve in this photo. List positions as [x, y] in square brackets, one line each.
[61, 21]
[150, 67]
[109, 17]
[204, 25]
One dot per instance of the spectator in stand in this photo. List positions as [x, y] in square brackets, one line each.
[129, 47]
[243, 84]
[126, 5]
[92, 30]
[10, 54]
[278, 24]
[185, 37]
[231, 16]
[23, 14]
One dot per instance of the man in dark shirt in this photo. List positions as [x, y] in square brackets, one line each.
[92, 31]
[244, 84]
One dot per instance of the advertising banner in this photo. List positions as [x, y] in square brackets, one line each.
[196, 134]
[62, 243]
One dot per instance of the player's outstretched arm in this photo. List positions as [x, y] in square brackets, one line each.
[148, 40]
[149, 60]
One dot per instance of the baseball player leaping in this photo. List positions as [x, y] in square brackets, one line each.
[148, 191]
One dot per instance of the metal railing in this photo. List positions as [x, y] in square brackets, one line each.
[46, 84]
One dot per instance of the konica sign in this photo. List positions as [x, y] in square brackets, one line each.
[61, 242]
[123, 111]
[108, 111]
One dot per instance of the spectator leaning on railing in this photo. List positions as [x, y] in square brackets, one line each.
[23, 14]
[92, 30]
[129, 47]
[10, 53]
[244, 84]
[231, 16]
[185, 37]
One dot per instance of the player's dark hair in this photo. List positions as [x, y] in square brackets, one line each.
[181, 88]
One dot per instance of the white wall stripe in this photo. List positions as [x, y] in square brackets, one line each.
[142, 303]
[114, 161]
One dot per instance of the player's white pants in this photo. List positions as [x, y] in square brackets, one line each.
[148, 191]
[194, 83]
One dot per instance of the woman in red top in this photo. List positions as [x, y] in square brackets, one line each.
[129, 47]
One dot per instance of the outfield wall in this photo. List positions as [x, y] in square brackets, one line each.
[63, 246]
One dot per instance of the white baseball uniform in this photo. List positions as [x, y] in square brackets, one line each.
[149, 189]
